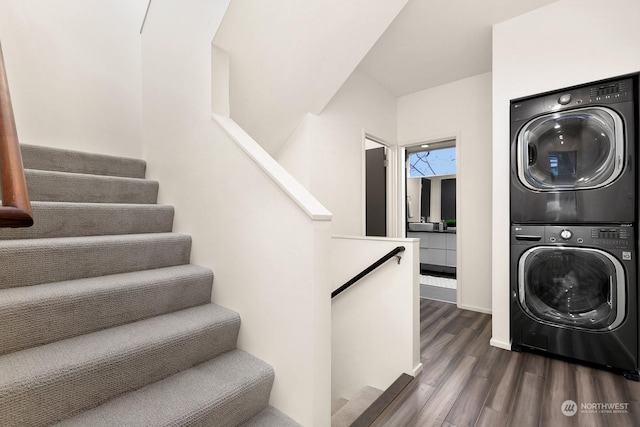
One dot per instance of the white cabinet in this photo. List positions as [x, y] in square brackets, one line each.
[436, 248]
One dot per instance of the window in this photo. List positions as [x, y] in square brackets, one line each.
[433, 162]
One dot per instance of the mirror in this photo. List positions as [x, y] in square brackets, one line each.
[433, 199]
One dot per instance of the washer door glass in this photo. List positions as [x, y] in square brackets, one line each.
[571, 150]
[576, 287]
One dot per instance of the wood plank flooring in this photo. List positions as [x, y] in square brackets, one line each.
[466, 382]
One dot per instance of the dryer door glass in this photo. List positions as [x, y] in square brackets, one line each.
[571, 150]
[575, 287]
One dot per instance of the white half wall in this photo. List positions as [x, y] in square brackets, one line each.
[74, 70]
[326, 150]
[376, 322]
[461, 110]
[566, 43]
[270, 259]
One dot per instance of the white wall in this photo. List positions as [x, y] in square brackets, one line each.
[461, 110]
[295, 154]
[74, 71]
[566, 43]
[333, 140]
[376, 322]
[270, 260]
[295, 61]
[414, 191]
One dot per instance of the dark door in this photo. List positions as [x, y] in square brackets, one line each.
[376, 192]
[571, 150]
[578, 287]
[448, 199]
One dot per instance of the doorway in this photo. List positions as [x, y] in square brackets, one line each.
[430, 194]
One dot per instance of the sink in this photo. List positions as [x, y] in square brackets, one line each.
[420, 226]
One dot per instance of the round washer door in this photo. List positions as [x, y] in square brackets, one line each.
[581, 288]
[571, 150]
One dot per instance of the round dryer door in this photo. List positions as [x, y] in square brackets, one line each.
[571, 150]
[575, 287]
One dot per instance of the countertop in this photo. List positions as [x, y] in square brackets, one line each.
[434, 231]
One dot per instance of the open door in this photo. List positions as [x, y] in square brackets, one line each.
[376, 192]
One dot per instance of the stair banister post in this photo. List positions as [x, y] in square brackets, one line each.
[16, 207]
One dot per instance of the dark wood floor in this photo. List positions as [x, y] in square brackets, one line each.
[466, 382]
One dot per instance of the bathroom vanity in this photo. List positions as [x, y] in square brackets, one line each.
[438, 250]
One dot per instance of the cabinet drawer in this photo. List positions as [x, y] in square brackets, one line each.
[452, 241]
[451, 258]
[433, 256]
[436, 240]
[418, 235]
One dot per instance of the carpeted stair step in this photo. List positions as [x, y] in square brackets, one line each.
[349, 412]
[61, 219]
[50, 186]
[225, 391]
[45, 384]
[337, 404]
[36, 261]
[40, 314]
[55, 159]
[270, 417]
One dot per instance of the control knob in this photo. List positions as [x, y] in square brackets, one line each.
[564, 99]
[566, 234]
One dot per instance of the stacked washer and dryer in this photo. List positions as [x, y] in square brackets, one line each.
[574, 218]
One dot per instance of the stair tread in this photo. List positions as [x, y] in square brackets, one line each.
[352, 409]
[97, 206]
[88, 176]
[69, 289]
[48, 158]
[190, 397]
[36, 261]
[270, 417]
[39, 314]
[87, 240]
[76, 187]
[337, 404]
[61, 357]
[73, 219]
[43, 384]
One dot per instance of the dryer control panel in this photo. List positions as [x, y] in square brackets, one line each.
[605, 93]
[610, 237]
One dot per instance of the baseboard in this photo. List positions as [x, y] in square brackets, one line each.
[500, 344]
[473, 308]
[438, 294]
[417, 369]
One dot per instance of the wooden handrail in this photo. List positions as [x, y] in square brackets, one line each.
[16, 207]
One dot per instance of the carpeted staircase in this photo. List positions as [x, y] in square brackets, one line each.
[103, 321]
